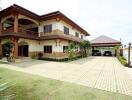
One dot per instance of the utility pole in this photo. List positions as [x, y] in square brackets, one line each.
[129, 60]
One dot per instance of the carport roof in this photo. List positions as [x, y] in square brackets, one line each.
[104, 41]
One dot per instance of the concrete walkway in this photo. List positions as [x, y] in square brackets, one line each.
[104, 73]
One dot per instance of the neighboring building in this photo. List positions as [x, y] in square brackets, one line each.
[104, 43]
[31, 34]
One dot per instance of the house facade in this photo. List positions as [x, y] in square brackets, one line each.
[31, 34]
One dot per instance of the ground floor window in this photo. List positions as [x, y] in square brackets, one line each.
[65, 48]
[48, 49]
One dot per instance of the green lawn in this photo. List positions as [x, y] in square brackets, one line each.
[30, 87]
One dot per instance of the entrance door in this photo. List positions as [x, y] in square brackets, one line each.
[23, 50]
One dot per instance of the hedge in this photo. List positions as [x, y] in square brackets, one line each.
[61, 60]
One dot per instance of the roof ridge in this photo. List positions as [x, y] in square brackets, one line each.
[104, 39]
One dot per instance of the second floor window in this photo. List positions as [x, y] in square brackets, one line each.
[48, 28]
[66, 30]
[77, 34]
[47, 49]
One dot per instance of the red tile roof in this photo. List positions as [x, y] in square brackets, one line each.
[104, 40]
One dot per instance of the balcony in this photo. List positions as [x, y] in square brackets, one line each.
[21, 33]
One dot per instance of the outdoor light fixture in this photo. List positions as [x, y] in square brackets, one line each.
[129, 61]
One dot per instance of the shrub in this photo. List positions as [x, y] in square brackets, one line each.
[122, 60]
[61, 60]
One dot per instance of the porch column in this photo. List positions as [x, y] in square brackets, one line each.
[16, 22]
[15, 47]
[0, 49]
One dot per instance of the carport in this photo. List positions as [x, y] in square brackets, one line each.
[104, 43]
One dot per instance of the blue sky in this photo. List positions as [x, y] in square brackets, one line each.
[99, 17]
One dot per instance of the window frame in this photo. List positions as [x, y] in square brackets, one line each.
[76, 34]
[47, 49]
[49, 28]
[66, 30]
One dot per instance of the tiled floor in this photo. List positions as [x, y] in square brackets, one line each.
[104, 73]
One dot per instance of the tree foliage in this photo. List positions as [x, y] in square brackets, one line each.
[85, 45]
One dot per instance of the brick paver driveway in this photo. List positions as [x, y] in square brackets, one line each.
[104, 73]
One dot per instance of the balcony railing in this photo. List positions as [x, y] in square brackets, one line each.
[21, 32]
[59, 34]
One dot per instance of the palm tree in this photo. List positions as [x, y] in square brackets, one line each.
[85, 45]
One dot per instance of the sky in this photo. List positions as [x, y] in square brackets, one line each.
[112, 18]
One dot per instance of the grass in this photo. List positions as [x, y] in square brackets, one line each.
[31, 87]
[1, 62]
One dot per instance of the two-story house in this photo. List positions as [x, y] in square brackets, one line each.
[31, 34]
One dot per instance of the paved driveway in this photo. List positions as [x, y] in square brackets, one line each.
[104, 73]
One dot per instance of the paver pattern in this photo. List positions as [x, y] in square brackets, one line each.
[104, 73]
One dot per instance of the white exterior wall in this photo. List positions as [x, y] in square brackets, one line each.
[72, 30]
